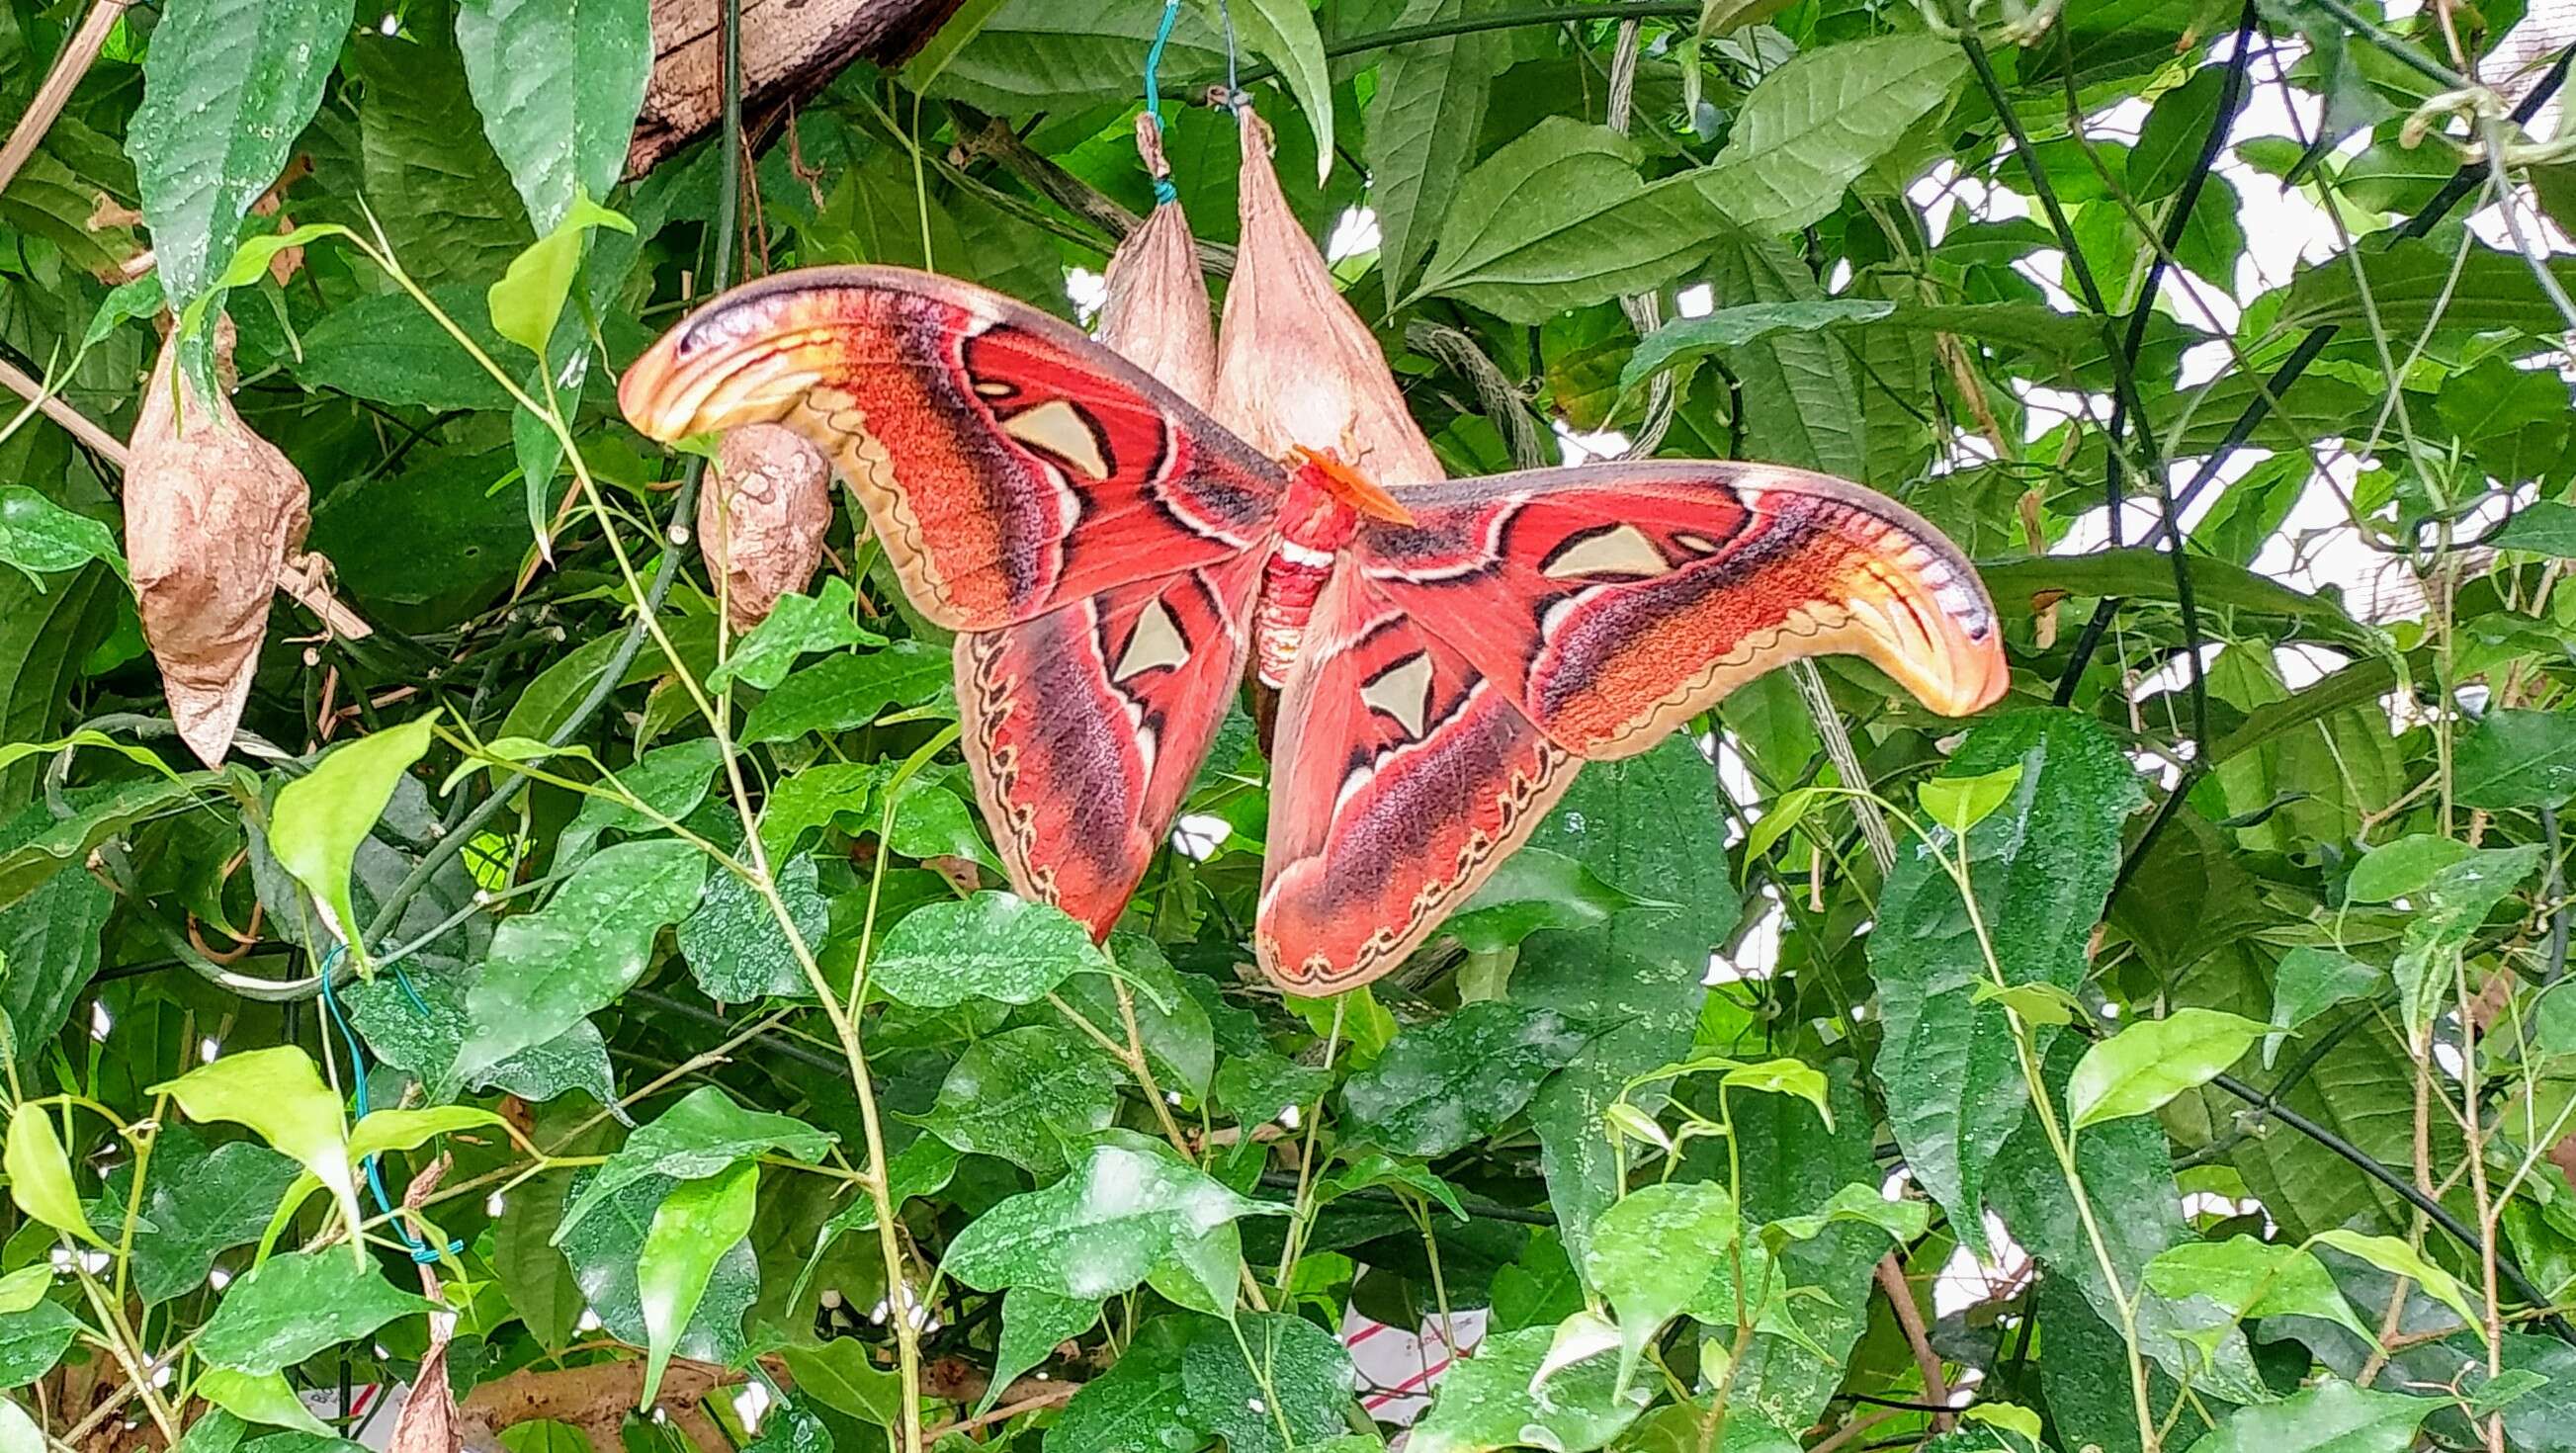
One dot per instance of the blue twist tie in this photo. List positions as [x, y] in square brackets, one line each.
[421, 1252]
[1154, 61]
[1164, 191]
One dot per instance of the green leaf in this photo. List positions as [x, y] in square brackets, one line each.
[1377, 1168]
[2543, 527]
[435, 187]
[604, 1254]
[1821, 423]
[1686, 340]
[2402, 868]
[2412, 282]
[298, 1303]
[196, 1204]
[1559, 219]
[2332, 1417]
[40, 537]
[1535, 889]
[1305, 1382]
[1812, 126]
[24, 1288]
[990, 946]
[32, 1342]
[419, 1029]
[1651, 1254]
[384, 348]
[848, 692]
[2455, 901]
[1033, 1323]
[2033, 1003]
[2399, 1259]
[797, 625]
[2517, 758]
[1179, 1037]
[696, 1224]
[1864, 1205]
[1422, 125]
[2042, 866]
[40, 1173]
[733, 943]
[532, 1271]
[321, 817]
[669, 783]
[530, 296]
[1283, 33]
[1139, 1403]
[280, 1095]
[548, 970]
[2136, 1071]
[1034, 1097]
[2170, 140]
[2309, 981]
[1039, 55]
[1099, 1230]
[384, 1131]
[839, 1375]
[558, 83]
[2253, 1278]
[1489, 1401]
[704, 1135]
[227, 87]
[260, 1398]
[1960, 803]
[1458, 1078]
[2139, 573]
[99, 814]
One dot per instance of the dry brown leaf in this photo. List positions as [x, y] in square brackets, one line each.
[762, 518]
[1156, 313]
[1295, 366]
[213, 514]
[428, 1421]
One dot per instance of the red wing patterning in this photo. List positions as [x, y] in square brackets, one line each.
[1101, 548]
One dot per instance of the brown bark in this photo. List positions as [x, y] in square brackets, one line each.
[790, 50]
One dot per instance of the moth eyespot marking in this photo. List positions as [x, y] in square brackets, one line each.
[1696, 544]
[1062, 430]
[1620, 549]
[1402, 691]
[1155, 643]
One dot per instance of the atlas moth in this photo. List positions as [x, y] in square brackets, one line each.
[1448, 652]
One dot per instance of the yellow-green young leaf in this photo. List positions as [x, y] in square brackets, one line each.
[321, 818]
[249, 261]
[529, 297]
[1784, 1077]
[1960, 803]
[280, 1095]
[1283, 33]
[2137, 1070]
[23, 1288]
[260, 1398]
[40, 1174]
[385, 1130]
[2035, 1003]
[697, 1223]
[2399, 1259]
[2011, 1417]
[1785, 812]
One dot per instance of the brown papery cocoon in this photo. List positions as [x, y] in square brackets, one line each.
[213, 515]
[1295, 366]
[762, 518]
[1156, 314]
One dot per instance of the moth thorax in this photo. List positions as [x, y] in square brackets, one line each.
[1290, 580]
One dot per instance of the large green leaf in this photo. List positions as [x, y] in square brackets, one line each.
[1039, 55]
[2410, 280]
[1818, 423]
[1283, 32]
[666, 783]
[2332, 1417]
[2516, 758]
[2140, 573]
[384, 348]
[550, 969]
[197, 1203]
[1815, 124]
[227, 87]
[1560, 219]
[1422, 124]
[50, 942]
[735, 948]
[1299, 1396]
[604, 1253]
[847, 692]
[2143, 1067]
[1652, 1251]
[1440, 1085]
[279, 1094]
[1650, 826]
[1096, 1232]
[1034, 1097]
[1140, 1403]
[295, 1304]
[320, 818]
[1494, 1400]
[532, 1270]
[32, 1341]
[40, 537]
[441, 196]
[40, 1173]
[991, 946]
[2042, 867]
[703, 1135]
[419, 1027]
[558, 83]
[43, 845]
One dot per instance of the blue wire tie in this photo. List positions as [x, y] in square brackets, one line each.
[1154, 63]
[421, 1252]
